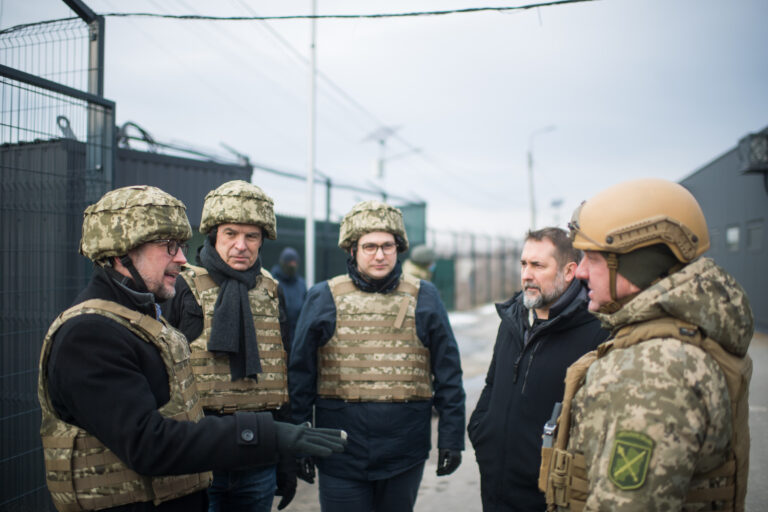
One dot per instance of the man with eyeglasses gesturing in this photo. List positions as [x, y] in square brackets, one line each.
[122, 427]
[373, 352]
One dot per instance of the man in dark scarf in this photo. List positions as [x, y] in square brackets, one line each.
[373, 351]
[232, 313]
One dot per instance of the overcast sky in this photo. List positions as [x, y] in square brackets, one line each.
[634, 88]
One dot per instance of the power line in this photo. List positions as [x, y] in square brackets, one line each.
[466, 10]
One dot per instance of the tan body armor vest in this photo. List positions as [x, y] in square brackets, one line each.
[374, 355]
[82, 473]
[563, 475]
[218, 393]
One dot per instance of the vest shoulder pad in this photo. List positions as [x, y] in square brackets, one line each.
[142, 324]
[269, 282]
[409, 284]
[198, 279]
[341, 285]
[666, 327]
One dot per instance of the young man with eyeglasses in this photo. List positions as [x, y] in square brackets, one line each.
[232, 312]
[122, 428]
[372, 353]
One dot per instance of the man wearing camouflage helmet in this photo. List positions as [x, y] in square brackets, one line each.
[420, 263]
[232, 313]
[373, 352]
[656, 417]
[122, 428]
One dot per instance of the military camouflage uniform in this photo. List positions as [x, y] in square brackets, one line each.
[417, 271]
[652, 415]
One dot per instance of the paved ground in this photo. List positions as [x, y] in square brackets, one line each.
[476, 331]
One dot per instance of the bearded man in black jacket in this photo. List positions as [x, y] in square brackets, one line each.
[544, 328]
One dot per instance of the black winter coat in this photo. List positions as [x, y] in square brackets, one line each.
[110, 382]
[523, 383]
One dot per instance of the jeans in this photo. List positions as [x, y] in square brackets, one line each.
[394, 494]
[249, 490]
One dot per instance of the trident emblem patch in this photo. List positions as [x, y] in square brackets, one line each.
[629, 460]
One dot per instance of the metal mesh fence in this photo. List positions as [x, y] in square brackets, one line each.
[57, 51]
[56, 153]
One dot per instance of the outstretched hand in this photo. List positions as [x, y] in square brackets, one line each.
[305, 440]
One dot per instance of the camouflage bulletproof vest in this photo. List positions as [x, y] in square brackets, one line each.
[214, 381]
[82, 473]
[563, 475]
[375, 354]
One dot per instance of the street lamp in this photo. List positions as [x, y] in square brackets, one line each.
[532, 199]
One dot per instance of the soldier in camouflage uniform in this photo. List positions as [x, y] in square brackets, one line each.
[122, 427]
[373, 352]
[656, 417]
[420, 263]
[232, 312]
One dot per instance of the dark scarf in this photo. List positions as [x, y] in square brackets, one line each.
[383, 285]
[233, 330]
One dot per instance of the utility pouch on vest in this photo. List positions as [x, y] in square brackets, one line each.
[547, 440]
[550, 427]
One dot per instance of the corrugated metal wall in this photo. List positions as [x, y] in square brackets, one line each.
[736, 207]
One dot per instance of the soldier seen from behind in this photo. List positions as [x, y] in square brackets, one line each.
[544, 328]
[657, 417]
[373, 352]
[122, 427]
[232, 314]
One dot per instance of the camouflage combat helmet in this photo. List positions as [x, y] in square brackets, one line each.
[239, 202]
[369, 216]
[641, 213]
[422, 255]
[127, 217]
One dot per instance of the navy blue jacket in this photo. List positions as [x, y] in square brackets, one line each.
[523, 383]
[385, 439]
[294, 293]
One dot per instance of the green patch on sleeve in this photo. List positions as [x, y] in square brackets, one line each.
[630, 458]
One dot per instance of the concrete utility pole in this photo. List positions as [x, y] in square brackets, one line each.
[531, 195]
[309, 225]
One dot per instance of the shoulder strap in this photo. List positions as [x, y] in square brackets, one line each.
[143, 323]
[409, 285]
[666, 327]
[341, 285]
[269, 282]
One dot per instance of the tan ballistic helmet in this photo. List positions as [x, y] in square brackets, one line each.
[127, 217]
[369, 216]
[640, 213]
[239, 202]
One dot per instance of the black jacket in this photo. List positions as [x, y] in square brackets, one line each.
[523, 383]
[110, 382]
[385, 439]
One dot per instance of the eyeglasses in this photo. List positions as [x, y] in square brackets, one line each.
[386, 248]
[173, 246]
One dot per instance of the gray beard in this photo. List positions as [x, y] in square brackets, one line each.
[545, 300]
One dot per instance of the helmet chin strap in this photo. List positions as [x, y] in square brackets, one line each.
[141, 286]
[615, 304]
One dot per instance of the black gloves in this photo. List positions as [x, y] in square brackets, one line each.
[447, 461]
[319, 442]
[286, 480]
[306, 469]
